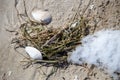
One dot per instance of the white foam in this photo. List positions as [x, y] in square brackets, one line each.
[101, 49]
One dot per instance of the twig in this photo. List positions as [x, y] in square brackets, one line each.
[41, 61]
[52, 72]
[54, 37]
[77, 11]
[86, 8]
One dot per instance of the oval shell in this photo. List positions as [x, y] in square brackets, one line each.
[33, 53]
[41, 16]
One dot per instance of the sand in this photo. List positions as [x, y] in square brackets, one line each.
[103, 13]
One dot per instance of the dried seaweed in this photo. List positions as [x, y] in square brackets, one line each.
[53, 43]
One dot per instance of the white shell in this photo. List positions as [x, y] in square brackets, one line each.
[91, 6]
[41, 16]
[76, 77]
[74, 24]
[33, 53]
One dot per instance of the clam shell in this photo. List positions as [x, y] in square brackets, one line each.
[41, 16]
[33, 53]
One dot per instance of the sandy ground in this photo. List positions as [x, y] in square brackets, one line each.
[103, 13]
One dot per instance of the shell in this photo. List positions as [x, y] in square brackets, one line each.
[41, 16]
[33, 53]
[74, 24]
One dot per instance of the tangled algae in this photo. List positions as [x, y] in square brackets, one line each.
[54, 43]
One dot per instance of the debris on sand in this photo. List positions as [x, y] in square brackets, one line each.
[54, 44]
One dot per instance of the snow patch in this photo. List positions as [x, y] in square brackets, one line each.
[101, 49]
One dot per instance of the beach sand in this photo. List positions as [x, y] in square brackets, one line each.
[103, 13]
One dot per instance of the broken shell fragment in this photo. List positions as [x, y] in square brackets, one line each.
[33, 53]
[74, 24]
[41, 16]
